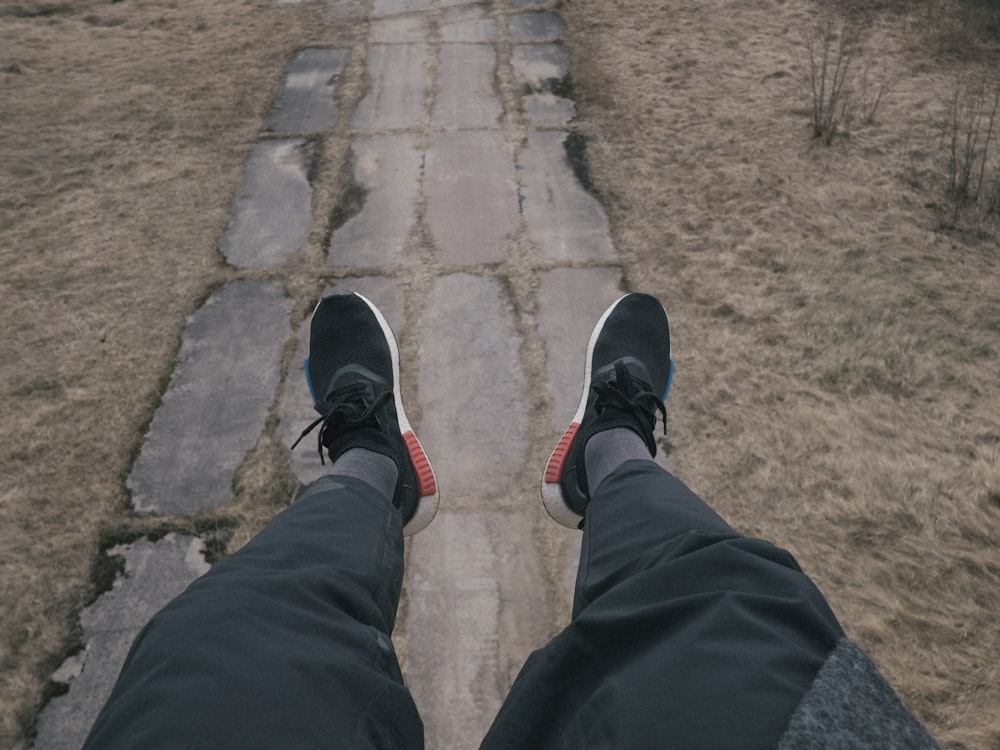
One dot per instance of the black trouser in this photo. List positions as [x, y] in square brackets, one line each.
[684, 634]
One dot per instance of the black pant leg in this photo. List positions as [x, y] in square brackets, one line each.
[284, 644]
[684, 633]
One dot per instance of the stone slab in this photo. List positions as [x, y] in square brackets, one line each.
[391, 7]
[214, 409]
[339, 8]
[466, 93]
[564, 221]
[527, 3]
[271, 217]
[570, 302]
[154, 573]
[296, 409]
[548, 109]
[539, 69]
[344, 8]
[306, 102]
[476, 611]
[397, 82]
[468, 24]
[388, 168]
[471, 385]
[399, 30]
[471, 198]
[543, 26]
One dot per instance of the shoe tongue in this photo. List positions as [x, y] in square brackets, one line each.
[350, 375]
[636, 369]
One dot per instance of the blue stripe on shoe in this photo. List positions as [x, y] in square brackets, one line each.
[670, 379]
[309, 382]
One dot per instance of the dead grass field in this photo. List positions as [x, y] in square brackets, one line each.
[838, 384]
[838, 352]
[124, 129]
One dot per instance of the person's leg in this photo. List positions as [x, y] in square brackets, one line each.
[286, 642]
[283, 644]
[684, 633]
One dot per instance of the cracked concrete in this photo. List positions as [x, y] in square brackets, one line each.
[269, 221]
[471, 231]
[213, 411]
[388, 169]
[469, 173]
[306, 104]
[154, 573]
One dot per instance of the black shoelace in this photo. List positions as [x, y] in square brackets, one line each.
[626, 393]
[348, 408]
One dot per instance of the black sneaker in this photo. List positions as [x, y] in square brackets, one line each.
[353, 376]
[625, 382]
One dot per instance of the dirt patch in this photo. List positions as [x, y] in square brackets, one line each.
[838, 353]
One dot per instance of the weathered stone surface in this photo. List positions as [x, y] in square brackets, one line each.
[544, 26]
[570, 302]
[155, 572]
[539, 69]
[468, 24]
[471, 385]
[399, 30]
[214, 409]
[564, 220]
[397, 80]
[470, 196]
[271, 216]
[343, 8]
[466, 97]
[391, 7]
[296, 409]
[527, 3]
[387, 168]
[476, 610]
[306, 103]
[560, 558]
[548, 109]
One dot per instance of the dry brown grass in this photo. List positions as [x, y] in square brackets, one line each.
[839, 356]
[838, 353]
[123, 133]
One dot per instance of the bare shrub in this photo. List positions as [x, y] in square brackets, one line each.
[872, 85]
[971, 152]
[965, 30]
[845, 84]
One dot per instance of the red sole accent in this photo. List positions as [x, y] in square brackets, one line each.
[425, 475]
[553, 471]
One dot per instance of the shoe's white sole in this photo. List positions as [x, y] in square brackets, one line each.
[427, 504]
[552, 495]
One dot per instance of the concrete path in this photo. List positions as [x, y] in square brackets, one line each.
[465, 221]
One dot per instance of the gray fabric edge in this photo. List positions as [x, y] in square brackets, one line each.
[850, 705]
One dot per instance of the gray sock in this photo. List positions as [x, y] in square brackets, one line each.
[374, 468]
[606, 451]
